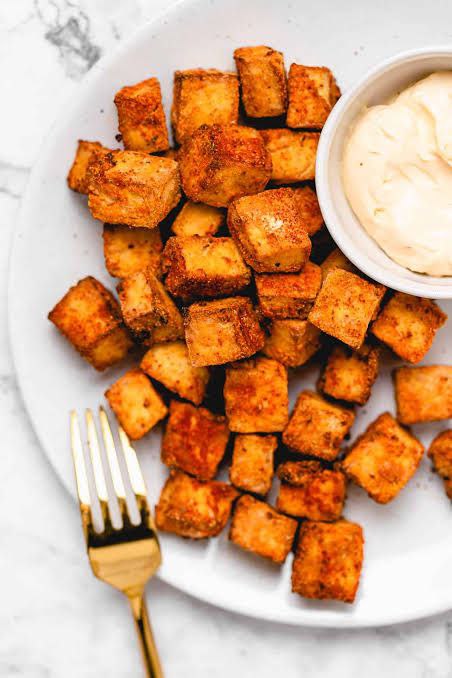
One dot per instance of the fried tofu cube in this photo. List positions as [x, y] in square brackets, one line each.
[88, 152]
[194, 509]
[263, 81]
[220, 163]
[204, 266]
[258, 528]
[345, 306]
[408, 325]
[383, 459]
[317, 427]
[269, 232]
[311, 96]
[141, 117]
[90, 318]
[203, 97]
[440, 452]
[256, 396]
[288, 295]
[423, 393]
[336, 259]
[292, 342]
[349, 375]
[310, 491]
[130, 250]
[133, 188]
[309, 209]
[198, 219]
[328, 560]
[252, 463]
[292, 153]
[221, 331]
[136, 403]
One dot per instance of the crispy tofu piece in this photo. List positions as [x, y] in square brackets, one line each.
[383, 459]
[345, 306]
[194, 509]
[310, 491]
[203, 97]
[408, 325]
[141, 117]
[170, 365]
[263, 81]
[440, 452]
[204, 266]
[292, 342]
[136, 403]
[220, 163]
[336, 260]
[252, 463]
[349, 375]
[130, 250]
[317, 427]
[221, 331]
[133, 188]
[292, 153]
[288, 295]
[268, 231]
[258, 528]
[423, 393]
[90, 318]
[309, 209]
[311, 96]
[87, 153]
[256, 396]
[198, 219]
[328, 560]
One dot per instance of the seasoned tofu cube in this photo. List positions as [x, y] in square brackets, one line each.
[408, 325]
[141, 117]
[336, 259]
[221, 331]
[258, 528]
[383, 459]
[311, 96]
[292, 153]
[292, 342]
[130, 250]
[136, 403]
[263, 81]
[423, 393]
[310, 491]
[90, 318]
[345, 306]
[133, 188]
[349, 375]
[440, 452]
[317, 427]
[203, 97]
[269, 232]
[204, 266]
[252, 463]
[309, 209]
[198, 219]
[194, 509]
[288, 295]
[328, 560]
[220, 163]
[88, 152]
[256, 396]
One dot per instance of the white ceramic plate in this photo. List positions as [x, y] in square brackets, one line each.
[409, 542]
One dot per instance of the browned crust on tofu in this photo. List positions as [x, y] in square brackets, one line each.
[263, 81]
[349, 375]
[129, 250]
[288, 295]
[336, 259]
[252, 463]
[310, 491]
[440, 452]
[141, 118]
[309, 209]
[292, 154]
[423, 393]
[292, 342]
[198, 219]
[312, 94]
[88, 152]
[143, 302]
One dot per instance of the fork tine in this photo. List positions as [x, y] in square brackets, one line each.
[135, 475]
[81, 478]
[98, 470]
[113, 463]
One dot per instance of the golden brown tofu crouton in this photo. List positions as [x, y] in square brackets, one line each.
[349, 375]
[258, 528]
[310, 491]
[195, 440]
[263, 81]
[204, 266]
[408, 325]
[220, 163]
[90, 318]
[141, 117]
[136, 403]
[170, 365]
[256, 396]
[288, 295]
[423, 393]
[328, 560]
[345, 306]
[88, 152]
[133, 188]
[309, 209]
[292, 342]
[292, 154]
[198, 219]
[311, 96]
[336, 259]
[129, 250]
[268, 231]
[440, 452]
[317, 427]
[252, 463]
[383, 459]
[194, 509]
[221, 331]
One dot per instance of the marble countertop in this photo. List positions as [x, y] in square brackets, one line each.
[56, 619]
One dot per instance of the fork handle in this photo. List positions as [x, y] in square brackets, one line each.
[146, 638]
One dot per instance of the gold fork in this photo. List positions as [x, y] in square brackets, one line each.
[128, 556]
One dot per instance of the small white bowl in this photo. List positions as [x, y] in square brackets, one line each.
[376, 87]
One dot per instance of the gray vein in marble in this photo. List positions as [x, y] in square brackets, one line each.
[12, 179]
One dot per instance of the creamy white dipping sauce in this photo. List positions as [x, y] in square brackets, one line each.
[397, 174]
